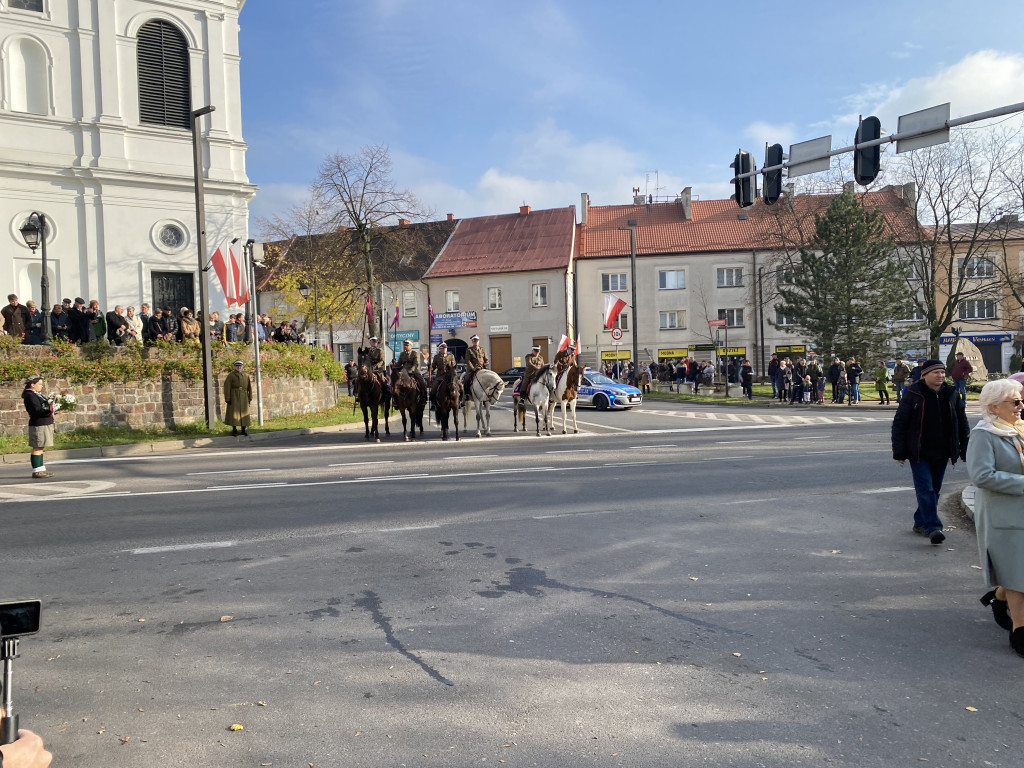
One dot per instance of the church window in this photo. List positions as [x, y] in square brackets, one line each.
[164, 89]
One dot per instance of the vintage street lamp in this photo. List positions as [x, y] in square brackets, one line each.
[34, 232]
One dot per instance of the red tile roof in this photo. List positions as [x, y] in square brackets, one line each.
[514, 242]
[716, 225]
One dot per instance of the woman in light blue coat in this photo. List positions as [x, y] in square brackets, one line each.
[995, 462]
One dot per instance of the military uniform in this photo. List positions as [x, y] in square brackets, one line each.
[410, 361]
[439, 366]
[564, 359]
[373, 358]
[533, 364]
[237, 396]
[476, 360]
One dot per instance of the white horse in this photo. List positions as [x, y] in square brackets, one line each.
[541, 397]
[486, 389]
[565, 395]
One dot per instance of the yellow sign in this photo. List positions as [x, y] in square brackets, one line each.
[682, 352]
[618, 354]
[732, 351]
[517, 362]
[801, 348]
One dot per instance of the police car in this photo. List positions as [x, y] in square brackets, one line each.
[603, 393]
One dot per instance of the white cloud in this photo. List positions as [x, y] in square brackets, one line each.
[274, 200]
[767, 133]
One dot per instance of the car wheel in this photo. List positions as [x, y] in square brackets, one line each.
[601, 402]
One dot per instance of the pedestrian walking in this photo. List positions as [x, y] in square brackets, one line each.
[40, 423]
[930, 430]
[900, 374]
[962, 371]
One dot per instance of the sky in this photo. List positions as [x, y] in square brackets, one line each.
[486, 106]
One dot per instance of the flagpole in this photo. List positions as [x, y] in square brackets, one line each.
[204, 290]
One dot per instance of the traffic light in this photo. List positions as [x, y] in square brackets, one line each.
[746, 188]
[772, 179]
[867, 162]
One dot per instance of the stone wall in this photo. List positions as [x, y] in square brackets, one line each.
[165, 403]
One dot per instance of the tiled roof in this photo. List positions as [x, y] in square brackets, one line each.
[515, 242]
[715, 226]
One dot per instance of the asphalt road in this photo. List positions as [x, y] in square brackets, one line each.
[672, 586]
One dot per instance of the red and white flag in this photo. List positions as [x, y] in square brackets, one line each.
[231, 273]
[613, 306]
[563, 343]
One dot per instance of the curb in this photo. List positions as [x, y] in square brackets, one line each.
[163, 446]
[967, 500]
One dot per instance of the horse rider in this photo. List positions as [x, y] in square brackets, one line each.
[373, 357]
[410, 361]
[476, 360]
[533, 363]
[439, 366]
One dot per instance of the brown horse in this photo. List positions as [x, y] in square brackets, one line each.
[372, 398]
[406, 397]
[446, 401]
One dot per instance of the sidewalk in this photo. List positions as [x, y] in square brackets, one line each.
[163, 446]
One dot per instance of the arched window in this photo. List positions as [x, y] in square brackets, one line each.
[164, 90]
[29, 90]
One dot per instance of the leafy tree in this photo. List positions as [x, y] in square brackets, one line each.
[844, 287]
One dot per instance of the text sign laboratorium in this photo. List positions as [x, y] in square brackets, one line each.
[445, 321]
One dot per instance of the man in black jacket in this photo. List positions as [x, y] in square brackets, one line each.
[78, 322]
[117, 326]
[930, 429]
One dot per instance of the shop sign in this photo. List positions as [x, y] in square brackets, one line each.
[445, 321]
[678, 352]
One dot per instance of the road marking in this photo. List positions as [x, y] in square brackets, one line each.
[726, 458]
[36, 491]
[816, 437]
[733, 442]
[523, 469]
[226, 472]
[574, 514]
[392, 477]
[573, 450]
[480, 456]
[244, 487]
[361, 463]
[747, 501]
[637, 447]
[604, 426]
[181, 547]
[893, 489]
[842, 450]
[407, 528]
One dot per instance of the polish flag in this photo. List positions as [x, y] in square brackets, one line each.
[369, 308]
[564, 343]
[231, 273]
[613, 306]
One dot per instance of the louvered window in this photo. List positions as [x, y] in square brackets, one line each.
[164, 92]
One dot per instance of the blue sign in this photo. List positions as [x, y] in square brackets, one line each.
[978, 338]
[400, 336]
[444, 321]
[436, 338]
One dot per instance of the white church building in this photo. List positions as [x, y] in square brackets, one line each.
[95, 133]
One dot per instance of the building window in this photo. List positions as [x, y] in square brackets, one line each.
[733, 317]
[916, 316]
[613, 282]
[622, 321]
[671, 279]
[164, 89]
[451, 301]
[977, 267]
[783, 276]
[409, 304]
[494, 298]
[29, 81]
[540, 294]
[913, 273]
[730, 277]
[668, 321]
[978, 309]
[26, 5]
[781, 319]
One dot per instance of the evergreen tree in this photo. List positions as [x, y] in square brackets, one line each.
[846, 286]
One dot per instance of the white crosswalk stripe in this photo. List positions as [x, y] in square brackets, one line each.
[770, 418]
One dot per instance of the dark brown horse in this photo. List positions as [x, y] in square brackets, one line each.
[406, 397]
[372, 398]
[446, 401]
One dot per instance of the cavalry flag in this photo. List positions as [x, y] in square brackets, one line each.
[613, 306]
[231, 273]
[394, 323]
[563, 343]
[369, 308]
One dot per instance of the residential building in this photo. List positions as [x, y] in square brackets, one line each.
[95, 113]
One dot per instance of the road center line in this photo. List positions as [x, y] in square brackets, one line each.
[733, 442]
[726, 458]
[391, 477]
[226, 471]
[361, 463]
[893, 489]
[181, 547]
[573, 450]
[638, 447]
[480, 456]
[244, 487]
[815, 437]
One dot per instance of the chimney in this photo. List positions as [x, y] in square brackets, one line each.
[686, 201]
[910, 195]
[451, 217]
[403, 222]
[524, 210]
[584, 205]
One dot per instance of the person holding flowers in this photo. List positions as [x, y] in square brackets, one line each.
[40, 423]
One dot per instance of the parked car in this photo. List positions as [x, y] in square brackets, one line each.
[509, 376]
[603, 393]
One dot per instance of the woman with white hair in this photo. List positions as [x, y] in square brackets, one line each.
[995, 462]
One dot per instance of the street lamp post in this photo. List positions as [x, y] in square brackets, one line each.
[204, 289]
[34, 233]
[255, 331]
[631, 226]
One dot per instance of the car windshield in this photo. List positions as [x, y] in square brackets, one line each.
[598, 378]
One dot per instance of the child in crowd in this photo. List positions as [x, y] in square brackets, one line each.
[807, 389]
[821, 390]
[842, 388]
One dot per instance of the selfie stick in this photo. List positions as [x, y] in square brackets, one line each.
[9, 722]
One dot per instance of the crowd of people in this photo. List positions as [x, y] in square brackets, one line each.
[79, 322]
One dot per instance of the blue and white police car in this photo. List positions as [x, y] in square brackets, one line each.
[603, 393]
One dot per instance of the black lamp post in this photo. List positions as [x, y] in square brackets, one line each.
[34, 232]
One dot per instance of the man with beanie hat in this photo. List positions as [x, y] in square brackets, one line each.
[930, 429]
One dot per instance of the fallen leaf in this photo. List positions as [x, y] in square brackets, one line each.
[737, 654]
[141, 709]
[978, 567]
[101, 730]
[141, 620]
[226, 618]
[971, 709]
[261, 703]
[264, 764]
[358, 732]
[316, 682]
[694, 578]
[837, 551]
[236, 727]
[125, 739]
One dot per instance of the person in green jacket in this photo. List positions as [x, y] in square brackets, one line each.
[882, 382]
[237, 396]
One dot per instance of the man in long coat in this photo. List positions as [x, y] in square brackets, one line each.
[533, 363]
[476, 360]
[237, 396]
[439, 367]
[410, 361]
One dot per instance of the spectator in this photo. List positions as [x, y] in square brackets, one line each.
[293, 331]
[929, 430]
[97, 322]
[773, 371]
[168, 325]
[215, 327]
[806, 388]
[134, 326]
[155, 331]
[34, 334]
[882, 382]
[350, 376]
[78, 322]
[59, 322]
[747, 379]
[962, 370]
[16, 317]
[842, 387]
[915, 372]
[189, 328]
[645, 378]
[900, 374]
[231, 329]
[117, 326]
[40, 423]
[144, 317]
[821, 390]
[261, 329]
[282, 334]
[783, 378]
[244, 333]
[853, 374]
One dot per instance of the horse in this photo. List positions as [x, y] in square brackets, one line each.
[406, 397]
[372, 397]
[484, 392]
[566, 386]
[446, 401]
[541, 397]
